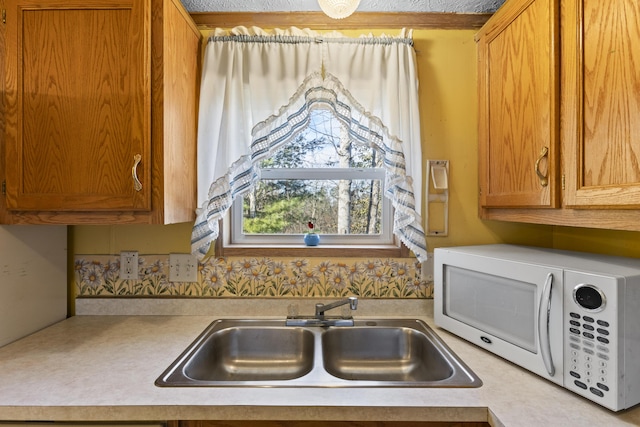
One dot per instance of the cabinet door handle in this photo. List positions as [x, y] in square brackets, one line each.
[137, 185]
[544, 179]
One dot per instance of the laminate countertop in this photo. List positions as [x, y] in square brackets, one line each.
[94, 367]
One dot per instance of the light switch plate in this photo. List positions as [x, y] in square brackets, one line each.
[129, 265]
[183, 268]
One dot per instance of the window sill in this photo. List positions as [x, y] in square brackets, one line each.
[326, 251]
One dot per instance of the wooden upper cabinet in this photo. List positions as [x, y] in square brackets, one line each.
[78, 98]
[601, 103]
[518, 106]
[599, 124]
[100, 103]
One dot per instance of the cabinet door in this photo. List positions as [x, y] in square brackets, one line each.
[601, 103]
[518, 105]
[77, 105]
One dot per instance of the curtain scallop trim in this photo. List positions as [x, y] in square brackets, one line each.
[269, 135]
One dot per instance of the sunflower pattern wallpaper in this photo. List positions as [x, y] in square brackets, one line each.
[98, 275]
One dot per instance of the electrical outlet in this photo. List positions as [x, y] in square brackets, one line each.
[183, 268]
[129, 265]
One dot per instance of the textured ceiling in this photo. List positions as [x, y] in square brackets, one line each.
[455, 6]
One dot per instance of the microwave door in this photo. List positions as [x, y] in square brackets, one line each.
[511, 309]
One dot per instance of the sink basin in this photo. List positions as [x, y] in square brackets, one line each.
[238, 352]
[252, 353]
[384, 354]
[266, 353]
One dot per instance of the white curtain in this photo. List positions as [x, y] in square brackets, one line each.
[257, 91]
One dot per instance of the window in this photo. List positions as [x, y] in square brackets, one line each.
[319, 176]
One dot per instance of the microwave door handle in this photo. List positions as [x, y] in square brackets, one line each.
[543, 325]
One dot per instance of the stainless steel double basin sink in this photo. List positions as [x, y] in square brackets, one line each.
[267, 353]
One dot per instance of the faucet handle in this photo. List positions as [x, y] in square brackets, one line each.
[292, 310]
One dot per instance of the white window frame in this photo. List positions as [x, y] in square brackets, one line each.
[235, 236]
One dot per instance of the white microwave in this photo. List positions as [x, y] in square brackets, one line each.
[570, 317]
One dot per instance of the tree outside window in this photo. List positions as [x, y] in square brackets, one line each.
[321, 176]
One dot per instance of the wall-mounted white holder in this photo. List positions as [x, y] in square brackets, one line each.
[437, 198]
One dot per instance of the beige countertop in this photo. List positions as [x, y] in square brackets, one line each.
[103, 367]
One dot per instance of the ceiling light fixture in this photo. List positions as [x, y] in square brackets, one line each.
[338, 9]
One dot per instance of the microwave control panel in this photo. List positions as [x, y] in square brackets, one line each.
[590, 351]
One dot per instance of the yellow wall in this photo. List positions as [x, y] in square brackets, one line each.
[447, 73]
[613, 242]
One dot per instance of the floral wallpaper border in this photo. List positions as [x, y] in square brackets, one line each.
[98, 275]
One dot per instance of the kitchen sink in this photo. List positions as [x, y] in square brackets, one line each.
[267, 353]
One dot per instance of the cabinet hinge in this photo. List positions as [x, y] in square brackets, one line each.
[4, 187]
[563, 181]
[4, 16]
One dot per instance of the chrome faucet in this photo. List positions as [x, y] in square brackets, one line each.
[321, 308]
[319, 319]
